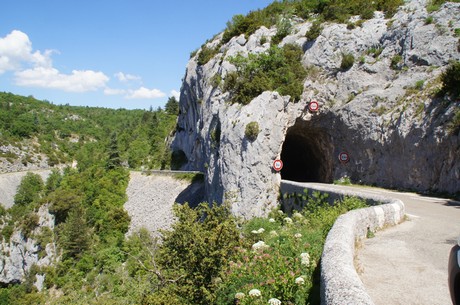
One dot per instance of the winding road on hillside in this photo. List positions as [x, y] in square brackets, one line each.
[407, 264]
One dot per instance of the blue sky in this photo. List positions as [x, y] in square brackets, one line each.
[117, 53]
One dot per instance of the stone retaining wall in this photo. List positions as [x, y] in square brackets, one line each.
[340, 283]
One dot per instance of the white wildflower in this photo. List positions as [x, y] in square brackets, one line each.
[280, 212]
[305, 259]
[273, 233]
[299, 281]
[255, 293]
[239, 295]
[297, 215]
[274, 301]
[260, 231]
[297, 235]
[271, 220]
[288, 220]
[259, 246]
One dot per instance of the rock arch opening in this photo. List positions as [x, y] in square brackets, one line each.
[307, 154]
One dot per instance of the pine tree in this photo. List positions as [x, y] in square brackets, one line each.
[75, 235]
[172, 106]
[114, 153]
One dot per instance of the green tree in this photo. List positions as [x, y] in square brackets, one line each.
[195, 251]
[29, 190]
[75, 235]
[172, 106]
[114, 160]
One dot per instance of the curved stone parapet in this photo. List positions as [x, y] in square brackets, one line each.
[340, 283]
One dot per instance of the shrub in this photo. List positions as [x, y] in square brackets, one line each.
[206, 54]
[347, 61]
[451, 80]
[277, 69]
[29, 190]
[419, 84]
[457, 32]
[429, 20]
[395, 61]
[252, 131]
[315, 30]
[197, 248]
[374, 51]
[283, 29]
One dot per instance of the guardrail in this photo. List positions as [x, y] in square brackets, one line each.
[167, 172]
[340, 283]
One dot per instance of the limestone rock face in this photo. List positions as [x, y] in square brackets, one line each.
[382, 111]
[19, 254]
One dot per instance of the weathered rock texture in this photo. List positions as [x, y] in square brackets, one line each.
[18, 254]
[392, 127]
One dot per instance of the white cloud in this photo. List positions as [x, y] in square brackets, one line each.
[145, 93]
[111, 91]
[175, 93]
[122, 77]
[77, 81]
[16, 50]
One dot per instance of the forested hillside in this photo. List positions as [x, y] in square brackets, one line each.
[34, 131]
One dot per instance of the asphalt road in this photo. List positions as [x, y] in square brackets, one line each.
[407, 264]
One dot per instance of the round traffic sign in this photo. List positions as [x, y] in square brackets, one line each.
[277, 165]
[344, 157]
[313, 106]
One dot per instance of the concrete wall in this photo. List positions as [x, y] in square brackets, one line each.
[340, 283]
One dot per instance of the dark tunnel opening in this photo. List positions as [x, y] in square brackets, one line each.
[307, 154]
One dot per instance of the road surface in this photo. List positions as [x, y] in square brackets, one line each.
[407, 264]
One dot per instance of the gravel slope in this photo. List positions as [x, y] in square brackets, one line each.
[9, 183]
[150, 200]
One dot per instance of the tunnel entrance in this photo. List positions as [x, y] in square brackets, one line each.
[307, 154]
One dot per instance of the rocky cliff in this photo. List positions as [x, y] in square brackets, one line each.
[20, 253]
[382, 110]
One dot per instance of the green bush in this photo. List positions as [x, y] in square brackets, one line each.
[451, 80]
[315, 30]
[283, 29]
[278, 69]
[197, 249]
[395, 61]
[252, 131]
[429, 20]
[29, 190]
[347, 61]
[206, 54]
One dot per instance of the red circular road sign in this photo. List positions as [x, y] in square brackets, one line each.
[344, 157]
[313, 106]
[277, 165]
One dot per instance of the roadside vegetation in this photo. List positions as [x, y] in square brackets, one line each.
[208, 257]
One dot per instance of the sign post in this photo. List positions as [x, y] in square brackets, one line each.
[277, 165]
[344, 157]
[313, 106]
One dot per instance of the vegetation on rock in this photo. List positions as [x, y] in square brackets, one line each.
[278, 69]
[336, 10]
